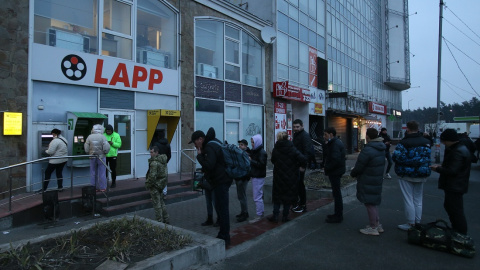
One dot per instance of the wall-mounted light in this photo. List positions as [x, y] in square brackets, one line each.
[398, 61]
[396, 26]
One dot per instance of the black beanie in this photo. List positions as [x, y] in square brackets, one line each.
[449, 135]
[109, 127]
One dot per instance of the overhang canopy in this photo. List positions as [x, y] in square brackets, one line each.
[89, 115]
[170, 117]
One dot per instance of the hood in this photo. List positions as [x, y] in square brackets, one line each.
[257, 140]
[210, 135]
[283, 146]
[163, 141]
[377, 143]
[97, 129]
[160, 158]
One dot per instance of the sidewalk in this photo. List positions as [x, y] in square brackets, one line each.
[186, 215]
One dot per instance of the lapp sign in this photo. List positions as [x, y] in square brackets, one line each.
[121, 76]
[377, 108]
[54, 64]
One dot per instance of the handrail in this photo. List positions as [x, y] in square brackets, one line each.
[192, 160]
[45, 159]
[319, 143]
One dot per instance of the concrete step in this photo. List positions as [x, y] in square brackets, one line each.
[138, 205]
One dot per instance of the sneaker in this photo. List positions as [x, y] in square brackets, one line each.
[404, 227]
[242, 217]
[380, 228]
[256, 219]
[369, 231]
[273, 219]
[300, 209]
[387, 176]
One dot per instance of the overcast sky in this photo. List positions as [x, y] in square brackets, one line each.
[424, 28]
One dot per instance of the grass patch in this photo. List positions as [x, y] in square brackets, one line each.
[126, 240]
[318, 180]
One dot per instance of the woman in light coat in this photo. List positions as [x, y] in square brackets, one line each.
[56, 148]
[97, 144]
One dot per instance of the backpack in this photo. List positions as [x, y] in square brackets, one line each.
[237, 162]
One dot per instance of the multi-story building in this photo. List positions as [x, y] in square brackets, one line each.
[172, 67]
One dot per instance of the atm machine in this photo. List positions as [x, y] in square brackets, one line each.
[79, 126]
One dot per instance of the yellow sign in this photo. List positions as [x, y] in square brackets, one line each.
[170, 113]
[12, 123]
[319, 108]
[170, 117]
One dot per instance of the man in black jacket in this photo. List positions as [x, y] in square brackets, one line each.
[334, 168]
[454, 177]
[302, 141]
[387, 141]
[210, 156]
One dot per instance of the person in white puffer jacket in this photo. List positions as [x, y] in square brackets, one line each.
[97, 144]
[56, 148]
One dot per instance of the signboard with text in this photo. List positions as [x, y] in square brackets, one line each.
[312, 66]
[377, 108]
[283, 90]
[280, 117]
[12, 123]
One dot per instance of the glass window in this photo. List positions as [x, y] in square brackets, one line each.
[232, 72]
[117, 17]
[303, 57]
[293, 75]
[303, 19]
[293, 12]
[209, 113]
[232, 32]
[282, 72]
[68, 24]
[320, 43]
[303, 5]
[282, 22]
[312, 38]
[232, 113]
[209, 48]
[232, 51]
[282, 48]
[251, 61]
[312, 8]
[303, 34]
[293, 28]
[293, 52]
[283, 6]
[303, 78]
[156, 34]
[252, 121]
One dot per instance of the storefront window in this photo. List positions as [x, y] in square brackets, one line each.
[251, 61]
[209, 48]
[69, 24]
[209, 113]
[117, 33]
[156, 34]
[252, 121]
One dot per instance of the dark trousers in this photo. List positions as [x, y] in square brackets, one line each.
[112, 163]
[337, 194]
[58, 168]
[302, 193]
[220, 197]
[453, 204]
[276, 209]
[209, 200]
[388, 156]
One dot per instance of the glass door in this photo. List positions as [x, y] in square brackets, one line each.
[122, 122]
[232, 123]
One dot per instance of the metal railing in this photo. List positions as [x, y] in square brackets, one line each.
[10, 180]
[193, 162]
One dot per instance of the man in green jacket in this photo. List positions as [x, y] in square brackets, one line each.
[115, 142]
[155, 182]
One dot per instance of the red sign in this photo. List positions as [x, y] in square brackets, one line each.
[280, 107]
[283, 90]
[312, 66]
[140, 74]
[377, 108]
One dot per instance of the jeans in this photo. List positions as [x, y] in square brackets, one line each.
[412, 200]
[58, 168]
[221, 207]
[388, 156]
[112, 163]
[302, 193]
[453, 204]
[337, 194]
[276, 209]
[242, 194]
[257, 184]
[209, 199]
[96, 166]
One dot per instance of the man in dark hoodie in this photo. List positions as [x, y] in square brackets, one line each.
[163, 145]
[210, 156]
[303, 142]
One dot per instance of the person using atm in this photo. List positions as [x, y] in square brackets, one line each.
[113, 138]
[56, 148]
[96, 144]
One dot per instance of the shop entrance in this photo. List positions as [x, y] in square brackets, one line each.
[122, 122]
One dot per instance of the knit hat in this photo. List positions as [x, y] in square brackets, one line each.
[109, 127]
[449, 135]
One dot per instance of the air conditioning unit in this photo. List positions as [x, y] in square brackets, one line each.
[207, 70]
[68, 40]
[250, 79]
[153, 58]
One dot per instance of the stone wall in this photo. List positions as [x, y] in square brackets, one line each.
[13, 86]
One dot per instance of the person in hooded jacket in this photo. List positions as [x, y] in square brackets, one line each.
[163, 145]
[210, 156]
[115, 142]
[97, 144]
[369, 173]
[155, 182]
[288, 162]
[258, 171]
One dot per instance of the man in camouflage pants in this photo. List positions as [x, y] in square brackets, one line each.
[156, 182]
